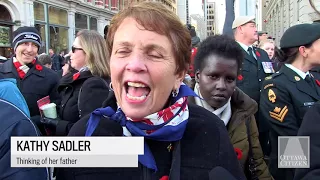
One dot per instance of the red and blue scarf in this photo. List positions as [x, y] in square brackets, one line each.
[168, 124]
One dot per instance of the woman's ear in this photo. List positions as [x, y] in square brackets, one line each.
[303, 51]
[179, 79]
[197, 76]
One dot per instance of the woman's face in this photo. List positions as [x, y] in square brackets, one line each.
[269, 48]
[217, 80]
[314, 52]
[142, 69]
[77, 55]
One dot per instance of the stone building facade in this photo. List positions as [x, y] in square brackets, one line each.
[279, 15]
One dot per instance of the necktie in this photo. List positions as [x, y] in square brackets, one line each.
[250, 52]
[309, 80]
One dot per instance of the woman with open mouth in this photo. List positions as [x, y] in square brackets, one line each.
[149, 56]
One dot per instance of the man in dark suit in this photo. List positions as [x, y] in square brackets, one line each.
[34, 80]
[255, 67]
[56, 60]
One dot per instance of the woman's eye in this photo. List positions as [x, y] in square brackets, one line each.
[213, 76]
[230, 80]
[122, 51]
[155, 56]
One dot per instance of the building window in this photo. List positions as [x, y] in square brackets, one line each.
[121, 4]
[93, 23]
[58, 38]
[58, 16]
[114, 5]
[81, 21]
[38, 12]
[53, 28]
[42, 30]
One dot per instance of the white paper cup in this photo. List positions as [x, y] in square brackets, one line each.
[49, 110]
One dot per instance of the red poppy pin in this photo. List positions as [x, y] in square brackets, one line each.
[164, 178]
[76, 76]
[258, 54]
[38, 67]
[318, 82]
[240, 77]
[238, 153]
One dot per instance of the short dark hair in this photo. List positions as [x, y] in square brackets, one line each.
[220, 45]
[44, 59]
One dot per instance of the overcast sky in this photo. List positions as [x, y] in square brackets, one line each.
[195, 7]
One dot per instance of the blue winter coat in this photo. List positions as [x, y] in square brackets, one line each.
[14, 122]
[10, 92]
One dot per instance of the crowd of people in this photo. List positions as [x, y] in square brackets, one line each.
[201, 106]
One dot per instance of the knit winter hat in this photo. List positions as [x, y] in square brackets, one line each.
[26, 34]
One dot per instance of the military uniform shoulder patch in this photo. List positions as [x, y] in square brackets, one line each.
[279, 113]
[272, 96]
[268, 85]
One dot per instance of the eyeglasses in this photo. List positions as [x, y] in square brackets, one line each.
[73, 49]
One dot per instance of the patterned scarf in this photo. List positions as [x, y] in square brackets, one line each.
[168, 124]
[22, 69]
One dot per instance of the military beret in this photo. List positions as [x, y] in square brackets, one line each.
[300, 35]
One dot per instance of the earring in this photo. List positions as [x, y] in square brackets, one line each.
[175, 92]
[110, 86]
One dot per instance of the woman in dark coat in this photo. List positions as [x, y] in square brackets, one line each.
[310, 127]
[217, 65]
[84, 91]
[289, 93]
[150, 54]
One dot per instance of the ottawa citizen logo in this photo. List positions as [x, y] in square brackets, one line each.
[30, 36]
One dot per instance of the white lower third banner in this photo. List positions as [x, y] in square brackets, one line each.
[76, 151]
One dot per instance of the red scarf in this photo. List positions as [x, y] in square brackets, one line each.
[21, 69]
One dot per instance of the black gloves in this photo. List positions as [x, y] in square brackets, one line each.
[50, 123]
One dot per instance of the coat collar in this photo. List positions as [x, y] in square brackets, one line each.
[242, 108]
[9, 68]
[301, 84]
[68, 79]
[249, 58]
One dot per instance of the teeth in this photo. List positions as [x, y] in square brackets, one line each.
[136, 98]
[133, 84]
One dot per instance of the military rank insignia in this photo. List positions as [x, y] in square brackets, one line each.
[268, 77]
[279, 113]
[272, 96]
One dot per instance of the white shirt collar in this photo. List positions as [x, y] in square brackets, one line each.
[224, 112]
[298, 71]
[245, 47]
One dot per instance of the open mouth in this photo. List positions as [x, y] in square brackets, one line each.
[137, 91]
